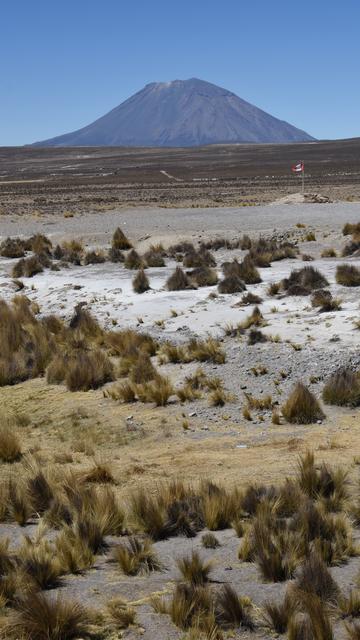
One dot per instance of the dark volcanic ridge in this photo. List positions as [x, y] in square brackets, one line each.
[181, 113]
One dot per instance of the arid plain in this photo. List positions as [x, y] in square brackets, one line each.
[167, 373]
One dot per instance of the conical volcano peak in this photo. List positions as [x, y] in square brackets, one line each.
[182, 113]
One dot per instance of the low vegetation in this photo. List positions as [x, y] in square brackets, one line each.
[141, 282]
[342, 388]
[178, 281]
[302, 407]
[348, 275]
[303, 281]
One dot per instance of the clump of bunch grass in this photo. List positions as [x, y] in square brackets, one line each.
[194, 570]
[208, 350]
[99, 473]
[175, 510]
[142, 369]
[137, 557]
[342, 388]
[178, 281]
[218, 507]
[120, 241]
[154, 257]
[120, 613]
[13, 248]
[328, 253]
[303, 281]
[311, 621]
[38, 563]
[70, 251]
[255, 336]
[314, 578]
[200, 258]
[245, 270]
[261, 404]
[94, 257]
[41, 617]
[277, 616]
[232, 611]
[133, 260]
[158, 391]
[82, 370]
[322, 298]
[141, 282]
[350, 229]
[203, 276]
[26, 343]
[302, 407]
[10, 445]
[231, 284]
[27, 267]
[250, 298]
[210, 541]
[264, 251]
[255, 319]
[348, 275]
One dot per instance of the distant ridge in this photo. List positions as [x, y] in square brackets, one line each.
[181, 113]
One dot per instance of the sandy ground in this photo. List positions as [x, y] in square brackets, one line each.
[162, 224]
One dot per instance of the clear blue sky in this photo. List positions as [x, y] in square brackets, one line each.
[63, 64]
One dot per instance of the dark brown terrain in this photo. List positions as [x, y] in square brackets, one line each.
[71, 180]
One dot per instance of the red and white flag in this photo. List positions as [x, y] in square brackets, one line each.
[298, 168]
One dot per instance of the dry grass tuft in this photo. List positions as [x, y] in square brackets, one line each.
[203, 276]
[178, 281]
[141, 282]
[94, 257]
[342, 388]
[10, 446]
[26, 345]
[231, 284]
[38, 563]
[277, 616]
[99, 473]
[133, 260]
[315, 579]
[41, 617]
[329, 253]
[302, 407]
[303, 281]
[159, 391]
[194, 570]
[120, 241]
[245, 270]
[27, 268]
[255, 336]
[120, 613]
[137, 557]
[322, 298]
[210, 541]
[231, 611]
[82, 370]
[348, 275]
[250, 298]
[123, 392]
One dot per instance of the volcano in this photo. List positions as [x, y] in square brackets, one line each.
[181, 113]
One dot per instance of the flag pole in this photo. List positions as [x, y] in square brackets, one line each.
[303, 178]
